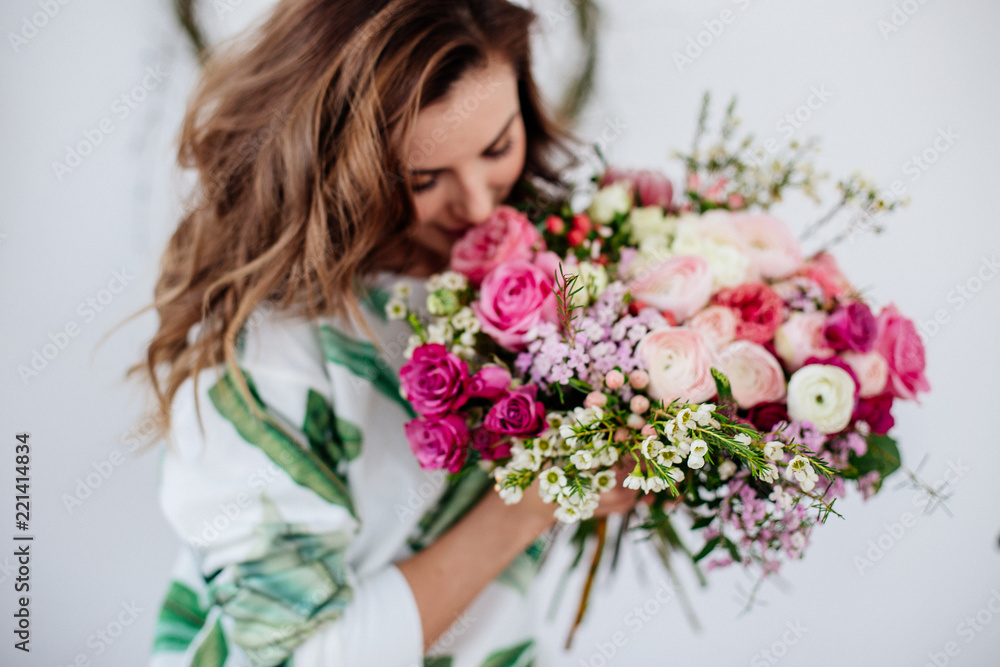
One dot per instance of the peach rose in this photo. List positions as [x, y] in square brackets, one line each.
[801, 337]
[717, 324]
[755, 375]
[773, 250]
[872, 371]
[679, 364]
[681, 285]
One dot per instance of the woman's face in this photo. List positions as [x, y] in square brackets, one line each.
[466, 154]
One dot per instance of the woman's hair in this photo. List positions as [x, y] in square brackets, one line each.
[296, 134]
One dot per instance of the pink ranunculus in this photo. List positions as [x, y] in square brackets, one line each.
[434, 380]
[515, 297]
[439, 442]
[717, 324]
[490, 383]
[760, 310]
[899, 344]
[679, 363]
[681, 285]
[823, 270]
[653, 188]
[506, 236]
[773, 250]
[755, 375]
[871, 369]
[851, 327]
[800, 338]
[517, 413]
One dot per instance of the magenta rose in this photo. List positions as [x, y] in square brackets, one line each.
[491, 382]
[899, 344]
[653, 188]
[506, 236]
[517, 413]
[515, 297]
[439, 442]
[759, 307]
[490, 445]
[434, 380]
[767, 415]
[876, 412]
[851, 328]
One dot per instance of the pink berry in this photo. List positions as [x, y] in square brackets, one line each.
[639, 404]
[614, 379]
[639, 379]
[595, 399]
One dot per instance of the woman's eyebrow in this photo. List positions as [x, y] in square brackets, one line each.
[433, 172]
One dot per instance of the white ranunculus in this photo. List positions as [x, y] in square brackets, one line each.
[821, 394]
[609, 200]
[649, 222]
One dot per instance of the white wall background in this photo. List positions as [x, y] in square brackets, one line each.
[64, 235]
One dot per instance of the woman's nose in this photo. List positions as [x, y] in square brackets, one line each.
[474, 200]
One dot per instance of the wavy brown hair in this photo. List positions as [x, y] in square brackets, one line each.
[295, 131]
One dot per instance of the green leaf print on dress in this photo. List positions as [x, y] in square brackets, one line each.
[280, 444]
[333, 439]
[522, 655]
[181, 618]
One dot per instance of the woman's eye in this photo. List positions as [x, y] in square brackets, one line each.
[420, 187]
[499, 152]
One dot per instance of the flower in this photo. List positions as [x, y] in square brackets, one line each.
[801, 469]
[773, 250]
[439, 442]
[515, 297]
[755, 375]
[822, 394]
[900, 345]
[773, 450]
[648, 222]
[681, 285]
[871, 369]
[605, 480]
[506, 236]
[769, 473]
[851, 327]
[609, 201]
[635, 479]
[395, 309]
[517, 413]
[583, 459]
[717, 324]
[767, 415]
[800, 338]
[434, 380]
[490, 445]
[876, 413]
[759, 307]
[679, 365]
[823, 270]
[491, 382]
[726, 470]
[653, 188]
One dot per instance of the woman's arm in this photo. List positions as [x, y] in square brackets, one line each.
[447, 576]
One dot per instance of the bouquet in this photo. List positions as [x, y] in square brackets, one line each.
[745, 384]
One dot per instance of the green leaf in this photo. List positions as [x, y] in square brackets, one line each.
[515, 656]
[181, 617]
[708, 548]
[702, 522]
[882, 456]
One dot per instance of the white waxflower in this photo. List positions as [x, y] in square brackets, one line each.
[463, 319]
[669, 455]
[553, 480]
[703, 416]
[567, 431]
[684, 420]
[464, 351]
[801, 469]
[683, 446]
[651, 447]
[401, 290]
[605, 480]
[769, 473]
[467, 339]
[543, 445]
[395, 309]
[798, 541]
[655, 484]
[567, 514]
[582, 459]
[607, 456]
[439, 332]
[696, 462]
[781, 499]
[773, 450]
[555, 420]
[726, 469]
[675, 474]
[511, 494]
[671, 430]
[411, 345]
[743, 439]
[454, 280]
[635, 479]
[699, 448]
[434, 283]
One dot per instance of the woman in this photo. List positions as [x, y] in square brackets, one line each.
[341, 147]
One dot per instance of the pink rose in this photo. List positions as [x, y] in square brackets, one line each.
[871, 369]
[517, 413]
[773, 250]
[800, 338]
[439, 442]
[434, 380]
[760, 310]
[823, 270]
[755, 375]
[653, 188]
[679, 364]
[490, 383]
[681, 285]
[767, 415]
[717, 324]
[903, 350]
[490, 445]
[515, 297]
[506, 236]
[851, 327]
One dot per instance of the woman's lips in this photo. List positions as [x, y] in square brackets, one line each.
[455, 233]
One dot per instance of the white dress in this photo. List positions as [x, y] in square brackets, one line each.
[291, 537]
